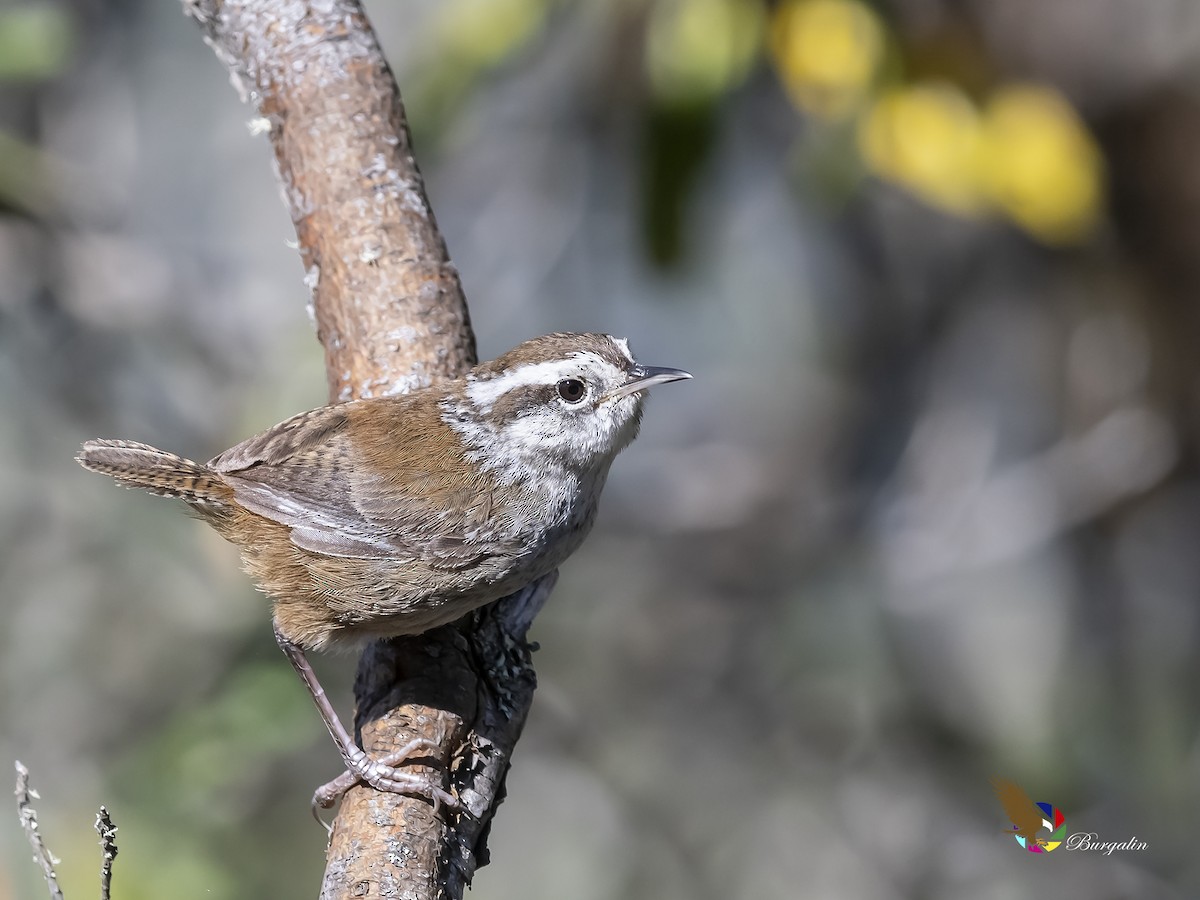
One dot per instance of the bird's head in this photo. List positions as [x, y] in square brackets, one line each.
[576, 398]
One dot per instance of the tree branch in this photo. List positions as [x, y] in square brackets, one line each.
[387, 300]
[108, 849]
[41, 853]
[29, 822]
[390, 313]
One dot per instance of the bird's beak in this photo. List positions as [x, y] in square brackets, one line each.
[642, 377]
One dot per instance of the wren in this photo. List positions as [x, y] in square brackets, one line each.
[394, 515]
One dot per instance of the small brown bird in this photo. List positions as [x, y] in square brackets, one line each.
[391, 516]
[1021, 811]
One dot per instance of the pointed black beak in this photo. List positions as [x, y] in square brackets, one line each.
[643, 377]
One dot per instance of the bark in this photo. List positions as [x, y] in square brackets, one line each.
[391, 316]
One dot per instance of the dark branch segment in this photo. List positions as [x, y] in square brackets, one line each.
[108, 849]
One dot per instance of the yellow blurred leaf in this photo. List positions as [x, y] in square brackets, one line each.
[1041, 164]
[828, 53]
[928, 138]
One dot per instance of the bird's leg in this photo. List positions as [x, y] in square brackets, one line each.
[380, 774]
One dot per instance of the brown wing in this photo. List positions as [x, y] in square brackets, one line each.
[394, 491]
[1020, 810]
[416, 482]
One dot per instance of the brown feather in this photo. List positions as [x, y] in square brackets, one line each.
[165, 474]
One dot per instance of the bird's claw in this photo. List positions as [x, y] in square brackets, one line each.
[383, 775]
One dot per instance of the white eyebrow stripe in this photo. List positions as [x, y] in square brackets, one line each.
[623, 346]
[484, 394]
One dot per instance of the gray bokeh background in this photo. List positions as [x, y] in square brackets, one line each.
[927, 514]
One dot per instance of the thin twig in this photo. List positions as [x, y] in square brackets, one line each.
[108, 846]
[29, 822]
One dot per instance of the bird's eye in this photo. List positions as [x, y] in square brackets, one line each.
[571, 389]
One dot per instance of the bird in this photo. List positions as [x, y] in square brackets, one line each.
[392, 515]
[1026, 818]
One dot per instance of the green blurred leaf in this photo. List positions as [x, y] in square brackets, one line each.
[678, 144]
[698, 50]
[35, 41]
[24, 184]
[260, 714]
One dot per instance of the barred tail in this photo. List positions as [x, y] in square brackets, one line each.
[165, 474]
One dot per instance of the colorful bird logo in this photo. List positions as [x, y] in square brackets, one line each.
[1028, 818]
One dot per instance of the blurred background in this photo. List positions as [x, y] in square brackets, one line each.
[928, 513]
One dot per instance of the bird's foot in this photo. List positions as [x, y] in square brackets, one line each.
[383, 775]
